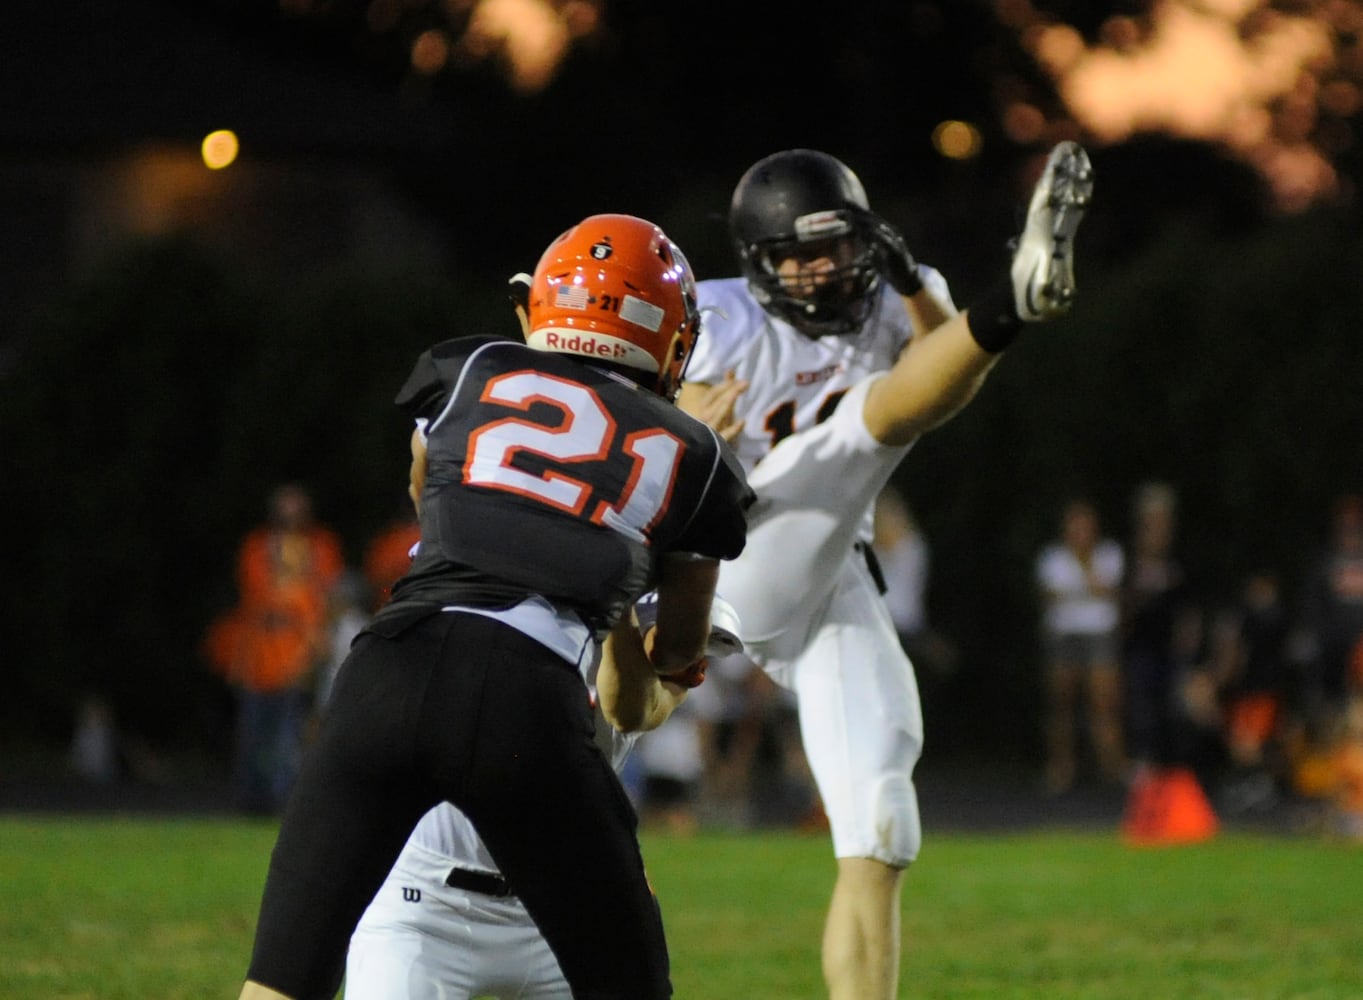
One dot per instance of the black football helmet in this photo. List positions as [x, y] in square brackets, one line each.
[787, 203]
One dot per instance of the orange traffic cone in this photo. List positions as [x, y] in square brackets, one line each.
[1168, 807]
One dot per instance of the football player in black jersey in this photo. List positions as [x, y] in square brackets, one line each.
[555, 483]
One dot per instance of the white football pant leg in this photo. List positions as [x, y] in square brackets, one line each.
[421, 940]
[861, 722]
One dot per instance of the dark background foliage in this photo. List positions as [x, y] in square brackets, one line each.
[152, 394]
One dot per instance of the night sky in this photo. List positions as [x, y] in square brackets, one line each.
[658, 113]
[666, 98]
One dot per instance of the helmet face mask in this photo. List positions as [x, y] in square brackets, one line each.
[615, 290]
[804, 207]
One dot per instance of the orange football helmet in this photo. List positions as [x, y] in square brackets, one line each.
[615, 289]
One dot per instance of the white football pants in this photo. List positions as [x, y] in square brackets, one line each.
[812, 616]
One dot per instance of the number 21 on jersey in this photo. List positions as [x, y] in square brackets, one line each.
[587, 433]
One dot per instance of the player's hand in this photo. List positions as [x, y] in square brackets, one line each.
[895, 263]
[714, 405]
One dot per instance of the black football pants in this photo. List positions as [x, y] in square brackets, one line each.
[460, 707]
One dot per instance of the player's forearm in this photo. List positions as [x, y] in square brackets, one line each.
[416, 476]
[632, 697]
[927, 311]
[686, 589]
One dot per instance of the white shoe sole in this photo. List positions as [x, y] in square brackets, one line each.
[1043, 266]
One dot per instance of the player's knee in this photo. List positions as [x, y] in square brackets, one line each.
[899, 833]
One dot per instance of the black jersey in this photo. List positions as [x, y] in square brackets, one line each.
[547, 476]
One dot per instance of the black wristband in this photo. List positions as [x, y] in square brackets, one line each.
[993, 319]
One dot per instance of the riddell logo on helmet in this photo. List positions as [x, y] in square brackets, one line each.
[592, 345]
[577, 343]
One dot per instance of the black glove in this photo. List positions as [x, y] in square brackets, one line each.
[893, 259]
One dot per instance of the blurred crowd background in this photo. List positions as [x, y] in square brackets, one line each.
[229, 226]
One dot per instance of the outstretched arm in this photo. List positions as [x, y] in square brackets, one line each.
[927, 311]
[898, 268]
[940, 369]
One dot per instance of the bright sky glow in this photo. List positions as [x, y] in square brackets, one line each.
[1277, 89]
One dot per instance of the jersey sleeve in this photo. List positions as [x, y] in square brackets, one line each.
[719, 528]
[428, 388]
[424, 391]
[726, 321]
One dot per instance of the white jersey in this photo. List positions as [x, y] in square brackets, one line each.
[795, 380]
[820, 484]
[809, 609]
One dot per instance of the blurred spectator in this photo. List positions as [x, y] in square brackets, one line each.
[1346, 813]
[1162, 631]
[388, 556]
[729, 713]
[784, 790]
[349, 612]
[95, 752]
[729, 757]
[905, 560]
[1253, 677]
[1079, 575]
[670, 772]
[1333, 614]
[755, 770]
[269, 646]
[1327, 774]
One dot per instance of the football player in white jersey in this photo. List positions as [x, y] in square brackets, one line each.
[851, 351]
[446, 925]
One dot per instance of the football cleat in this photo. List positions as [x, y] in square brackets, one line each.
[1043, 263]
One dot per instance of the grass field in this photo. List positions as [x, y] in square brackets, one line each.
[115, 908]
